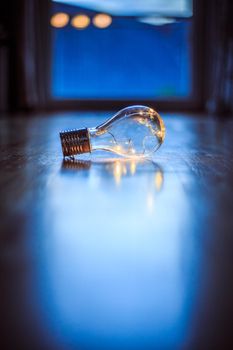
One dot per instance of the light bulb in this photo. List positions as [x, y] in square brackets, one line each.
[135, 131]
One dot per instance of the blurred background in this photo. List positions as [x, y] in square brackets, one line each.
[93, 54]
[100, 252]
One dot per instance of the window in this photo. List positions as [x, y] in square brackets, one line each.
[122, 49]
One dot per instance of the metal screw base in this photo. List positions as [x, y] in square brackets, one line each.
[75, 142]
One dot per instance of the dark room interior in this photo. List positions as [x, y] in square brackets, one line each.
[116, 135]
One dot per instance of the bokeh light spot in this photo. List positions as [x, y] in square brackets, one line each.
[80, 21]
[102, 20]
[59, 20]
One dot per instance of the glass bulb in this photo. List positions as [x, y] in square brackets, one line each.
[135, 131]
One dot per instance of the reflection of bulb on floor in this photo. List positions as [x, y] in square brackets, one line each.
[158, 180]
[157, 185]
[135, 131]
[117, 172]
[133, 167]
[150, 201]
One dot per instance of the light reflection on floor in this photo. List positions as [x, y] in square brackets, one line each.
[115, 276]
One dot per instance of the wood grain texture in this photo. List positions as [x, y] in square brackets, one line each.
[113, 254]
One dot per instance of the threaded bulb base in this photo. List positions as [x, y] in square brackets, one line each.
[75, 142]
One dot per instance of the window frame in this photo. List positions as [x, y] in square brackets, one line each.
[193, 103]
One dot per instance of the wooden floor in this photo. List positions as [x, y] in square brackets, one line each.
[110, 254]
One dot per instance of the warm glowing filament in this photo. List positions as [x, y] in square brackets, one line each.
[59, 20]
[118, 148]
[80, 21]
[102, 20]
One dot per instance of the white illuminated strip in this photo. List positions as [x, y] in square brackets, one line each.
[169, 8]
[156, 21]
